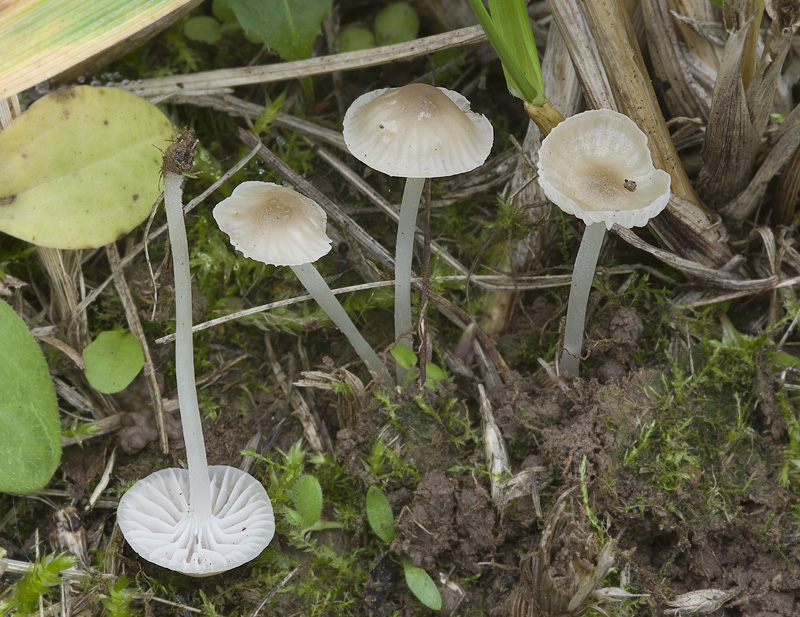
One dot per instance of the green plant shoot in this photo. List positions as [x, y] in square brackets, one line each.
[379, 515]
[421, 585]
[512, 38]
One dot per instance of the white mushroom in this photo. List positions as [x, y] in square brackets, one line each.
[198, 521]
[596, 165]
[415, 132]
[276, 225]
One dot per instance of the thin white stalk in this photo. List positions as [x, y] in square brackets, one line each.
[404, 252]
[199, 486]
[582, 276]
[318, 288]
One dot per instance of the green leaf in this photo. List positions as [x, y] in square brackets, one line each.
[203, 29]
[434, 372]
[379, 514]
[524, 80]
[81, 167]
[30, 430]
[112, 360]
[421, 585]
[307, 498]
[404, 355]
[396, 23]
[287, 26]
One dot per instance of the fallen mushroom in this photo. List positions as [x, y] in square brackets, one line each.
[279, 226]
[414, 132]
[201, 520]
[596, 166]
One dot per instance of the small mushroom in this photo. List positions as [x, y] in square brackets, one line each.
[596, 165]
[415, 132]
[279, 226]
[199, 521]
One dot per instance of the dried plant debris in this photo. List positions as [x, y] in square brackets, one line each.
[561, 575]
[700, 602]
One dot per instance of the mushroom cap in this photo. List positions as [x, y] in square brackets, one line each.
[596, 165]
[417, 131]
[273, 224]
[155, 519]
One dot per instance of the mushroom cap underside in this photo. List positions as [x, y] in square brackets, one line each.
[596, 166]
[155, 519]
[417, 131]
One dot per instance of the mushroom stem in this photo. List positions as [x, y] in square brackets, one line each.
[404, 251]
[199, 486]
[317, 287]
[582, 277]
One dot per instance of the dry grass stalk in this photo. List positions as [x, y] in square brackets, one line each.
[211, 82]
[684, 95]
[136, 329]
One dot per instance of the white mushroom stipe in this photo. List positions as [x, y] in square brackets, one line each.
[416, 132]
[160, 524]
[198, 521]
[596, 166]
[279, 226]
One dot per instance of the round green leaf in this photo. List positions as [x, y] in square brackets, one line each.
[30, 430]
[404, 355]
[396, 23]
[421, 585]
[379, 514]
[203, 29]
[112, 360]
[354, 39]
[81, 167]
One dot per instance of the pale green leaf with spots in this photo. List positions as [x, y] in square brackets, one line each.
[81, 167]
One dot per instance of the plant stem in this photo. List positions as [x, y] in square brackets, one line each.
[404, 251]
[546, 116]
[317, 287]
[199, 486]
[582, 276]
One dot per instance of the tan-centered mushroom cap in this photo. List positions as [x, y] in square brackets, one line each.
[273, 224]
[417, 131]
[596, 165]
[156, 520]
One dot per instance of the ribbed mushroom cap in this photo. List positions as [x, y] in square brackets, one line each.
[417, 131]
[155, 519]
[273, 224]
[596, 165]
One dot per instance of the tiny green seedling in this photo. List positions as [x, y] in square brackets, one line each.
[407, 359]
[119, 598]
[306, 516]
[381, 521]
[40, 577]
